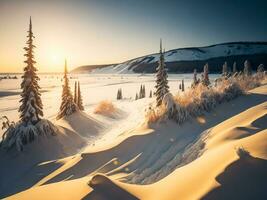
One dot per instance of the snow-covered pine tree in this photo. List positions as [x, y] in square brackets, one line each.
[141, 92]
[144, 91]
[182, 85]
[120, 93]
[195, 79]
[79, 97]
[68, 105]
[75, 93]
[136, 96]
[234, 68]
[225, 69]
[150, 94]
[260, 68]
[205, 76]
[162, 87]
[247, 68]
[31, 124]
[31, 108]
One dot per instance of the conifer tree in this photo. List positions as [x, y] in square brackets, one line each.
[31, 108]
[162, 87]
[118, 94]
[195, 79]
[234, 68]
[136, 96]
[144, 91]
[260, 68]
[141, 92]
[31, 125]
[182, 85]
[79, 98]
[68, 105]
[225, 69]
[205, 76]
[75, 93]
[247, 68]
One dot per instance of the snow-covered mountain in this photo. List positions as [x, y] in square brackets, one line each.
[186, 59]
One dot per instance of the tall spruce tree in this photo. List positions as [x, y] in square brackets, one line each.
[162, 87]
[68, 105]
[79, 98]
[31, 108]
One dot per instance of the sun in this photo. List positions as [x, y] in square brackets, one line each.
[56, 60]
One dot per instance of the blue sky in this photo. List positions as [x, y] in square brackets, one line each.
[110, 31]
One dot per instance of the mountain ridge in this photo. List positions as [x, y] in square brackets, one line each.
[184, 60]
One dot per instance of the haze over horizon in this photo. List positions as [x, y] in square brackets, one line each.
[110, 31]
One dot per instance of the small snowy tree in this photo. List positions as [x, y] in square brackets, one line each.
[150, 94]
[75, 93]
[68, 105]
[247, 68]
[136, 96]
[182, 85]
[260, 68]
[141, 92]
[144, 91]
[195, 79]
[225, 69]
[119, 94]
[79, 97]
[162, 87]
[234, 68]
[205, 76]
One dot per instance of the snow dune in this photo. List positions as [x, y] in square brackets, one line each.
[202, 160]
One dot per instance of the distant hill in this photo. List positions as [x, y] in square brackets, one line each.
[88, 68]
[185, 60]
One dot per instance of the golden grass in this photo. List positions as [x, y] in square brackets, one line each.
[154, 115]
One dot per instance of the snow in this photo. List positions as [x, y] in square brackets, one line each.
[123, 146]
[94, 88]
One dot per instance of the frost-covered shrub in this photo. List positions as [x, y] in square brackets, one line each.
[207, 100]
[20, 134]
[200, 99]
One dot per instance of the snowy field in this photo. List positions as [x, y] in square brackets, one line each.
[94, 88]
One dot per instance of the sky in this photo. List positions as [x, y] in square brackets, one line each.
[88, 32]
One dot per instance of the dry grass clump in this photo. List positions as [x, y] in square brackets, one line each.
[105, 108]
[154, 115]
